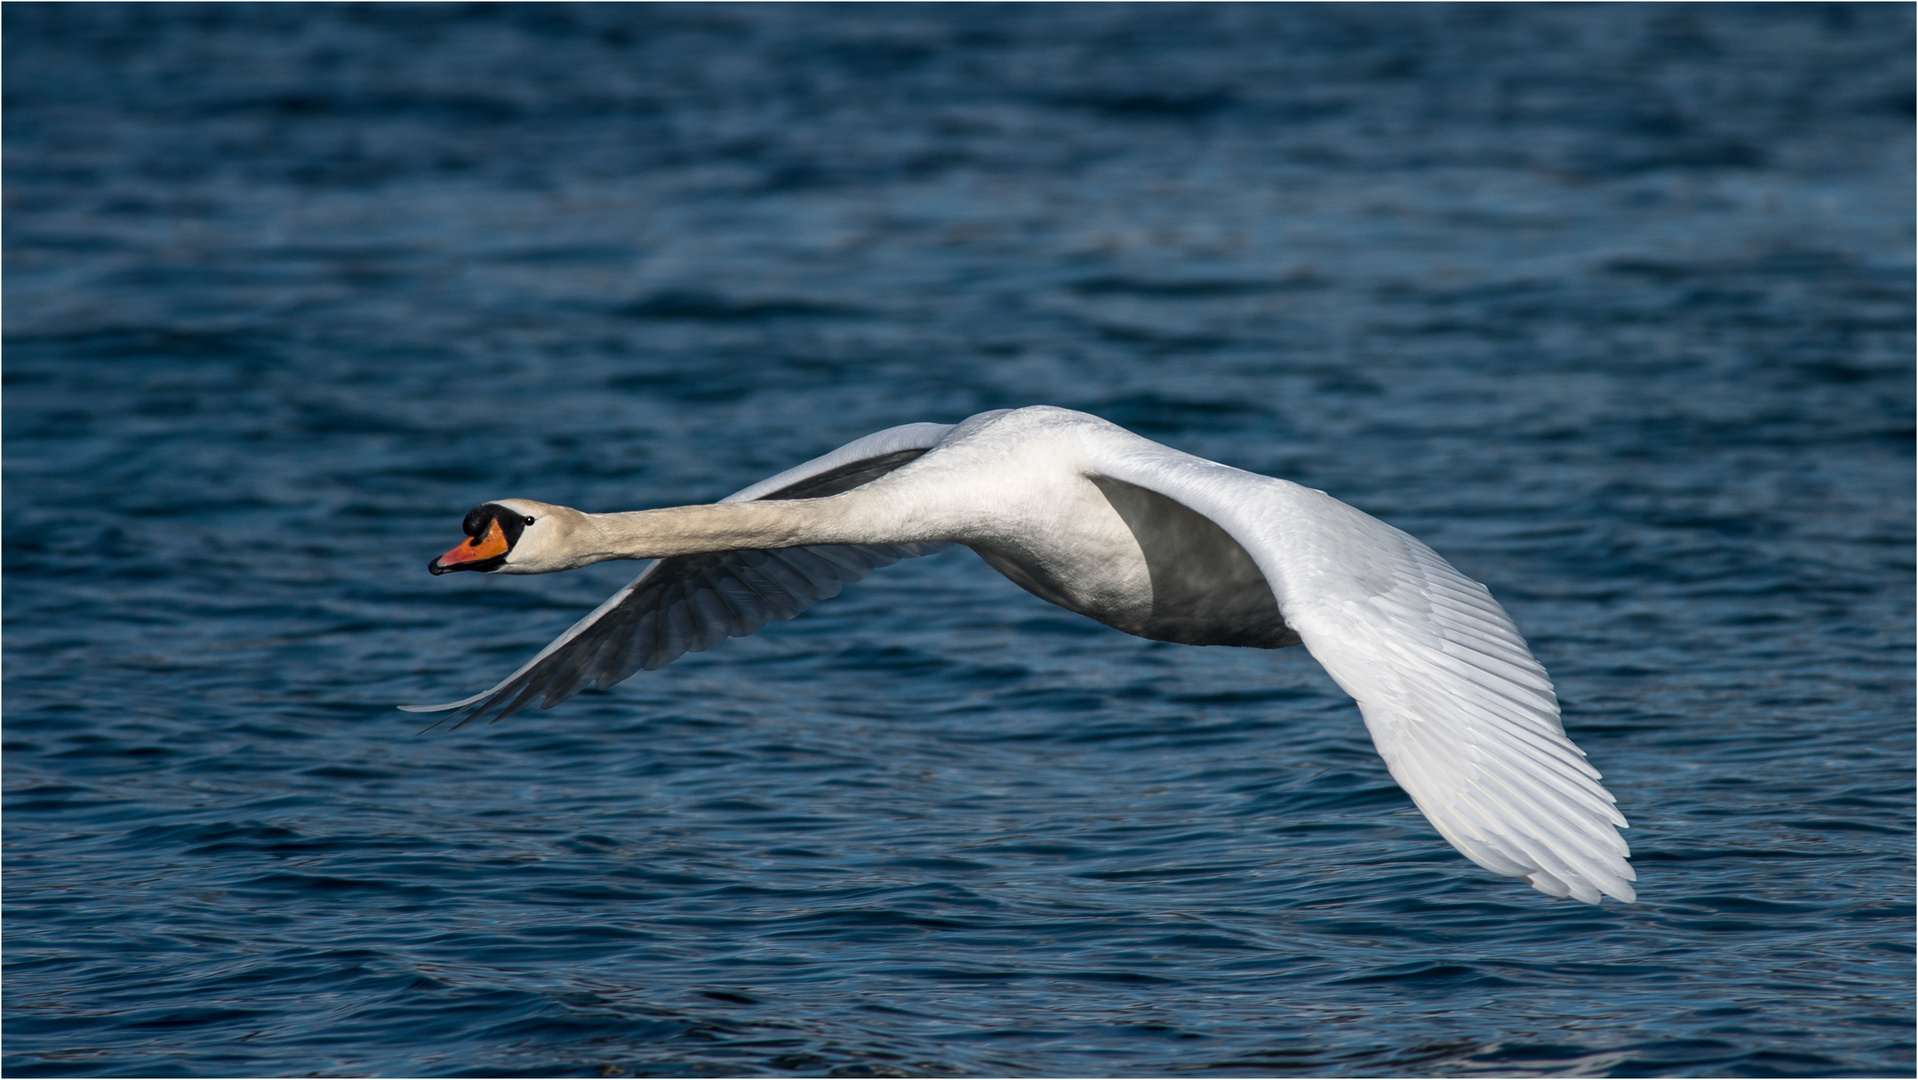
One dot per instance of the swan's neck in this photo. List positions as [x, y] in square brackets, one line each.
[690, 530]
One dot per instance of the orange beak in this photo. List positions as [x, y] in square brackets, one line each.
[487, 546]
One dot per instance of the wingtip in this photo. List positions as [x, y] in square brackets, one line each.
[448, 706]
[1619, 888]
[1586, 885]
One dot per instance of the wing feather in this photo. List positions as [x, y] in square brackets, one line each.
[691, 603]
[1463, 714]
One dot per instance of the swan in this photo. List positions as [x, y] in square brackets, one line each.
[1139, 536]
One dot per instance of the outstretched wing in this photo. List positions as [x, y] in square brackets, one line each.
[690, 603]
[1464, 717]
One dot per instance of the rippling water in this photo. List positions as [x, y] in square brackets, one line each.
[1612, 305]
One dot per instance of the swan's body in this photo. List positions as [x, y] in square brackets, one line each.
[1138, 536]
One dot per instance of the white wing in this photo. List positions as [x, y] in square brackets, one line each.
[1463, 715]
[691, 603]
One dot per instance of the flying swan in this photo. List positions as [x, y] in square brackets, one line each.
[1139, 536]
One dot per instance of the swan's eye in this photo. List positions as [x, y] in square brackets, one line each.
[529, 520]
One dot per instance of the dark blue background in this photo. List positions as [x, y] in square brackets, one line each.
[1612, 305]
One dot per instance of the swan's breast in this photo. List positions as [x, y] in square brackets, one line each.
[1056, 537]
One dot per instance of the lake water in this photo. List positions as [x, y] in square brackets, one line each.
[1611, 305]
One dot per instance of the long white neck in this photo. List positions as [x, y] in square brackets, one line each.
[580, 539]
[687, 530]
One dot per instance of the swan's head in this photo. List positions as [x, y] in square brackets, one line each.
[512, 536]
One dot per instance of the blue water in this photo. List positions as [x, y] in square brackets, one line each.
[1612, 305]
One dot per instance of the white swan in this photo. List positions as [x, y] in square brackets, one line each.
[1139, 536]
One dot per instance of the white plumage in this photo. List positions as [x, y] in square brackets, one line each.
[1139, 536]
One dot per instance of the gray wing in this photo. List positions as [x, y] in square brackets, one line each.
[690, 603]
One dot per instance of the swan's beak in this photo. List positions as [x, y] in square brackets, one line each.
[483, 552]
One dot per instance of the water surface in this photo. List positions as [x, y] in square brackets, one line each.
[1611, 305]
